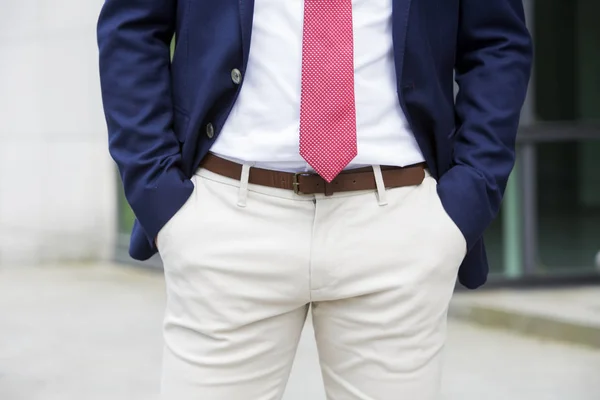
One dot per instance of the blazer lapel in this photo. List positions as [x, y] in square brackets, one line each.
[400, 14]
[246, 17]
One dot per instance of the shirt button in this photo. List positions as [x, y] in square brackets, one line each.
[210, 131]
[236, 76]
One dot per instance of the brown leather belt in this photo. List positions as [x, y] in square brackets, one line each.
[310, 183]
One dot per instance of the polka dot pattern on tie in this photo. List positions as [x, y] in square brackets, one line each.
[327, 103]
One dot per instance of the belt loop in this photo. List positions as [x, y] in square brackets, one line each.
[243, 194]
[381, 193]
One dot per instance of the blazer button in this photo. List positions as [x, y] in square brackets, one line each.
[236, 76]
[210, 131]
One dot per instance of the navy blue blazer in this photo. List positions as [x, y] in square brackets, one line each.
[157, 111]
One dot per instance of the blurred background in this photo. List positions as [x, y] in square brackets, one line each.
[78, 322]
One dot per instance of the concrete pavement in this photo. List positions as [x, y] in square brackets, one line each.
[93, 332]
[566, 314]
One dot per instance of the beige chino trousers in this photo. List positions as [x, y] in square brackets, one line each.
[244, 262]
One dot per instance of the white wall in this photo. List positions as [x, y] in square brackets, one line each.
[57, 181]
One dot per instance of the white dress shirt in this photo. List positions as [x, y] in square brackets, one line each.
[263, 127]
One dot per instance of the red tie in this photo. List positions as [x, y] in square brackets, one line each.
[327, 107]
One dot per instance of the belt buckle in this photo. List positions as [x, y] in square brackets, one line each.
[296, 183]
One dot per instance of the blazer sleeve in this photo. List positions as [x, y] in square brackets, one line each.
[493, 66]
[134, 55]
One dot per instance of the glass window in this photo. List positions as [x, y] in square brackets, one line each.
[567, 87]
[568, 204]
[494, 245]
[126, 216]
[567, 60]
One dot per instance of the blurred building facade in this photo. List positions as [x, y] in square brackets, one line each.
[57, 184]
[63, 200]
[549, 226]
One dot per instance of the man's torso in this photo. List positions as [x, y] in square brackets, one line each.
[262, 127]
